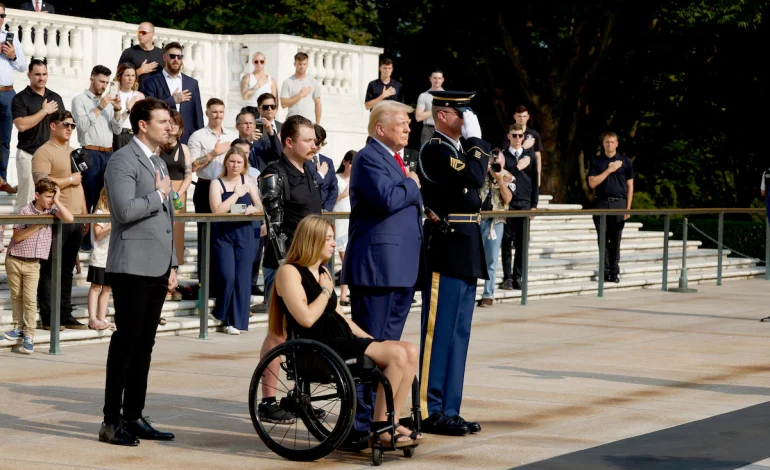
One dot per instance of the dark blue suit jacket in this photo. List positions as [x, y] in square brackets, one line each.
[385, 233]
[264, 151]
[191, 111]
[327, 184]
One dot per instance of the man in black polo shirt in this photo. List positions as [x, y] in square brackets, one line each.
[302, 197]
[146, 58]
[612, 176]
[384, 88]
[30, 109]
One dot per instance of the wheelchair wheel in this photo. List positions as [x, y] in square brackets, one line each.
[316, 395]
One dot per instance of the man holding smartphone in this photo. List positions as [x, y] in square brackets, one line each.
[11, 59]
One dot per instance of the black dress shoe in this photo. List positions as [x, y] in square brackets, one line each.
[614, 278]
[255, 290]
[142, 429]
[116, 434]
[72, 324]
[517, 283]
[355, 442]
[472, 426]
[507, 284]
[437, 423]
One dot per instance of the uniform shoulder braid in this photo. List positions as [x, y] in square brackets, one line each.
[438, 146]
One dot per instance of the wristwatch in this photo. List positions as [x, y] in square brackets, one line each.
[99, 107]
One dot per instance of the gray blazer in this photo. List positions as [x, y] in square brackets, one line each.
[141, 238]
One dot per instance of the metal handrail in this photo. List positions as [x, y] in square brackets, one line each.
[208, 219]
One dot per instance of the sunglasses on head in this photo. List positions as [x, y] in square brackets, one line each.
[259, 61]
[267, 107]
[176, 56]
[517, 136]
[71, 125]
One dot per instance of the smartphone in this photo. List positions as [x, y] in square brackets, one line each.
[497, 168]
[238, 209]
[9, 38]
[261, 125]
[113, 91]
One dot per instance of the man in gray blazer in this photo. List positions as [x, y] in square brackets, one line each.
[141, 266]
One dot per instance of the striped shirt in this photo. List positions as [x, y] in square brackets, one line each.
[6, 66]
[37, 245]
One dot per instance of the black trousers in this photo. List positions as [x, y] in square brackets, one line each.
[72, 238]
[138, 302]
[513, 234]
[202, 206]
[257, 253]
[615, 226]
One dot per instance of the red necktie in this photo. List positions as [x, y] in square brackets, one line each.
[400, 162]
[37, 5]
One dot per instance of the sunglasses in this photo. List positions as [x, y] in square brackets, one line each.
[142, 33]
[259, 61]
[176, 56]
[267, 107]
[71, 125]
[2, 15]
[517, 136]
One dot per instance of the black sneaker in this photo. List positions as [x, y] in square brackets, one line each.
[72, 324]
[272, 413]
[508, 284]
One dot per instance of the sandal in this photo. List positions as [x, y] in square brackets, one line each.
[345, 303]
[162, 321]
[415, 436]
[385, 443]
[105, 325]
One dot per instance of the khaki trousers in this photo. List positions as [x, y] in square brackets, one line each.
[23, 276]
[26, 189]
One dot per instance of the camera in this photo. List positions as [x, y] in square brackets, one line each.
[497, 167]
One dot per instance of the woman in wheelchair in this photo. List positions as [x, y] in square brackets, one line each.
[305, 302]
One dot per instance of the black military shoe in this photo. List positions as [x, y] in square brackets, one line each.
[117, 435]
[507, 284]
[142, 429]
[355, 442]
[473, 427]
[438, 423]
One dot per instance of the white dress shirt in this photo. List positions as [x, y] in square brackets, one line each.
[202, 142]
[7, 66]
[516, 152]
[149, 153]
[174, 83]
[454, 142]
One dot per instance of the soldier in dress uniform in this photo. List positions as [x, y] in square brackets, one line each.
[452, 171]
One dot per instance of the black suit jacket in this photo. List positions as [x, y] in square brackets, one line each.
[191, 111]
[30, 6]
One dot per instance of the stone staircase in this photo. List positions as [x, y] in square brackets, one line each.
[563, 261]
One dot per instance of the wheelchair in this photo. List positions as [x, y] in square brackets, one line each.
[317, 389]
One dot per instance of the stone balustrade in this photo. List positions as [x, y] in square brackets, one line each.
[72, 46]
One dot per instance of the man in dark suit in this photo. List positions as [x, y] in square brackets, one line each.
[38, 5]
[177, 90]
[384, 249]
[522, 164]
[325, 176]
[267, 148]
[142, 267]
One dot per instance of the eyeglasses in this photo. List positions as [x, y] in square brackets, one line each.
[517, 136]
[142, 33]
[267, 107]
[2, 15]
[176, 56]
[259, 61]
[71, 125]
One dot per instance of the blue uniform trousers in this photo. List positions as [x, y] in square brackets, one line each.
[381, 312]
[447, 312]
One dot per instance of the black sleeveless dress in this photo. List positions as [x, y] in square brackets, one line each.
[330, 328]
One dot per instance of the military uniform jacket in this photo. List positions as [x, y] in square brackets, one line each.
[451, 181]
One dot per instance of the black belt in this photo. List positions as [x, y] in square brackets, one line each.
[24, 259]
[611, 199]
[464, 218]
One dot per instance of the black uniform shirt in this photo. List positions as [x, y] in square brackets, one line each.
[136, 55]
[304, 199]
[26, 103]
[615, 184]
[376, 86]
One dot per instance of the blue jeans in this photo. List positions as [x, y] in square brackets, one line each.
[6, 127]
[491, 250]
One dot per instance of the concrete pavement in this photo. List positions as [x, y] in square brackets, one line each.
[575, 382]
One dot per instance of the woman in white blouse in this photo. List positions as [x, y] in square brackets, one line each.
[256, 83]
[127, 86]
[343, 205]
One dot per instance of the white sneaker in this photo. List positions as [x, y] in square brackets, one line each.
[231, 330]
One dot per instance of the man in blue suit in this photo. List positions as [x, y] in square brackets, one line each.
[383, 255]
[325, 175]
[177, 90]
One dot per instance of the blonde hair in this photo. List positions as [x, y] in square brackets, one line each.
[230, 153]
[305, 250]
[384, 112]
[102, 203]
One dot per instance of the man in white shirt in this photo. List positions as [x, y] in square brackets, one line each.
[11, 59]
[302, 93]
[423, 112]
[207, 148]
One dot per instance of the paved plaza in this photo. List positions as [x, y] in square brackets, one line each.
[639, 379]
